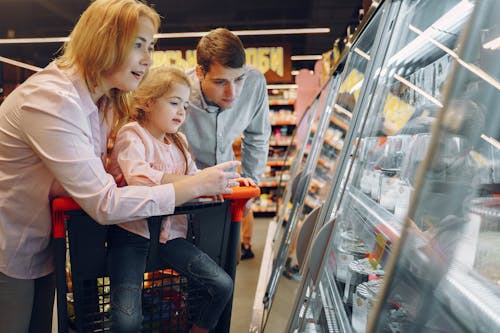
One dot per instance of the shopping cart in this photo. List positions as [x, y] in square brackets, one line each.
[169, 300]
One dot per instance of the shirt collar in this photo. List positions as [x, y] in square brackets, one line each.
[197, 95]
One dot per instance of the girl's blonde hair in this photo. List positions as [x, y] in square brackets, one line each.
[101, 41]
[155, 84]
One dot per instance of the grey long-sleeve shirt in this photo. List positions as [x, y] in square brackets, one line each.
[211, 131]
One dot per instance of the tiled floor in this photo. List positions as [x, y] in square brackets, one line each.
[247, 274]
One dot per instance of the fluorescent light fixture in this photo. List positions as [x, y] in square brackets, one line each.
[20, 64]
[295, 73]
[282, 86]
[33, 40]
[418, 90]
[449, 24]
[306, 57]
[263, 32]
[492, 44]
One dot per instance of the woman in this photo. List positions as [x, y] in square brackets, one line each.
[54, 131]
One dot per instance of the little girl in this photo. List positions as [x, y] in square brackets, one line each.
[150, 151]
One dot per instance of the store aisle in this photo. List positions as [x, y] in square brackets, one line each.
[247, 274]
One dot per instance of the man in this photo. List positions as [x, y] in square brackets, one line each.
[228, 99]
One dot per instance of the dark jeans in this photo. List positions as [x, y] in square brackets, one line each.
[127, 255]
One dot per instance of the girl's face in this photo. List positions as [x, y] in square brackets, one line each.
[167, 113]
[129, 74]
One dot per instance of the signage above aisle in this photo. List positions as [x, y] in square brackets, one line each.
[273, 61]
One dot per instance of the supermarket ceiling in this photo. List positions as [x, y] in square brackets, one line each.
[55, 18]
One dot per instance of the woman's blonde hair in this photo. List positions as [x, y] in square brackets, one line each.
[101, 41]
[155, 84]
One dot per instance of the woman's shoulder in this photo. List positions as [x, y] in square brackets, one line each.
[53, 88]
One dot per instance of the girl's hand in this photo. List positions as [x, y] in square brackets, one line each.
[218, 179]
[210, 181]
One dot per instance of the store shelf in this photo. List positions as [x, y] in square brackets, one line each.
[283, 123]
[377, 217]
[340, 123]
[281, 102]
[470, 301]
[278, 163]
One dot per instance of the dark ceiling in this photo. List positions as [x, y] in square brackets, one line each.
[55, 18]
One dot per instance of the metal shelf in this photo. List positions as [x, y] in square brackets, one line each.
[377, 216]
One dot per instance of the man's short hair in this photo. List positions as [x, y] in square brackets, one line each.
[222, 46]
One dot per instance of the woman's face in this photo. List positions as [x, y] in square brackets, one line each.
[167, 113]
[130, 73]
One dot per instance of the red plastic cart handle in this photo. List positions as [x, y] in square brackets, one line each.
[239, 198]
[59, 207]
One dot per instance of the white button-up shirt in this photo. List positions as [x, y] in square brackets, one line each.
[52, 133]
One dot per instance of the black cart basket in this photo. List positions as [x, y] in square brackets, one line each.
[168, 304]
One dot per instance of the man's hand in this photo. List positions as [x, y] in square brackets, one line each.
[246, 181]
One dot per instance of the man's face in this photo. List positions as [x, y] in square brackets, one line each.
[221, 85]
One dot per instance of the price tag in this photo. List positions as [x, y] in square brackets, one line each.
[379, 250]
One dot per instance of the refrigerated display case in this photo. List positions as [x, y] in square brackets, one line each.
[414, 246]
[291, 210]
[445, 275]
[314, 172]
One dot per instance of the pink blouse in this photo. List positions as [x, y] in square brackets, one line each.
[53, 137]
[143, 160]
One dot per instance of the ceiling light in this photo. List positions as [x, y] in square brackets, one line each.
[306, 57]
[20, 64]
[33, 40]
[295, 72]
[262, 32]
[282, 86]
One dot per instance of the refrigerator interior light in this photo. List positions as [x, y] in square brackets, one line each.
[492, 44]
[491, 141]
[471, 67]
[448, 25]
[418, 90]
[362, 54]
